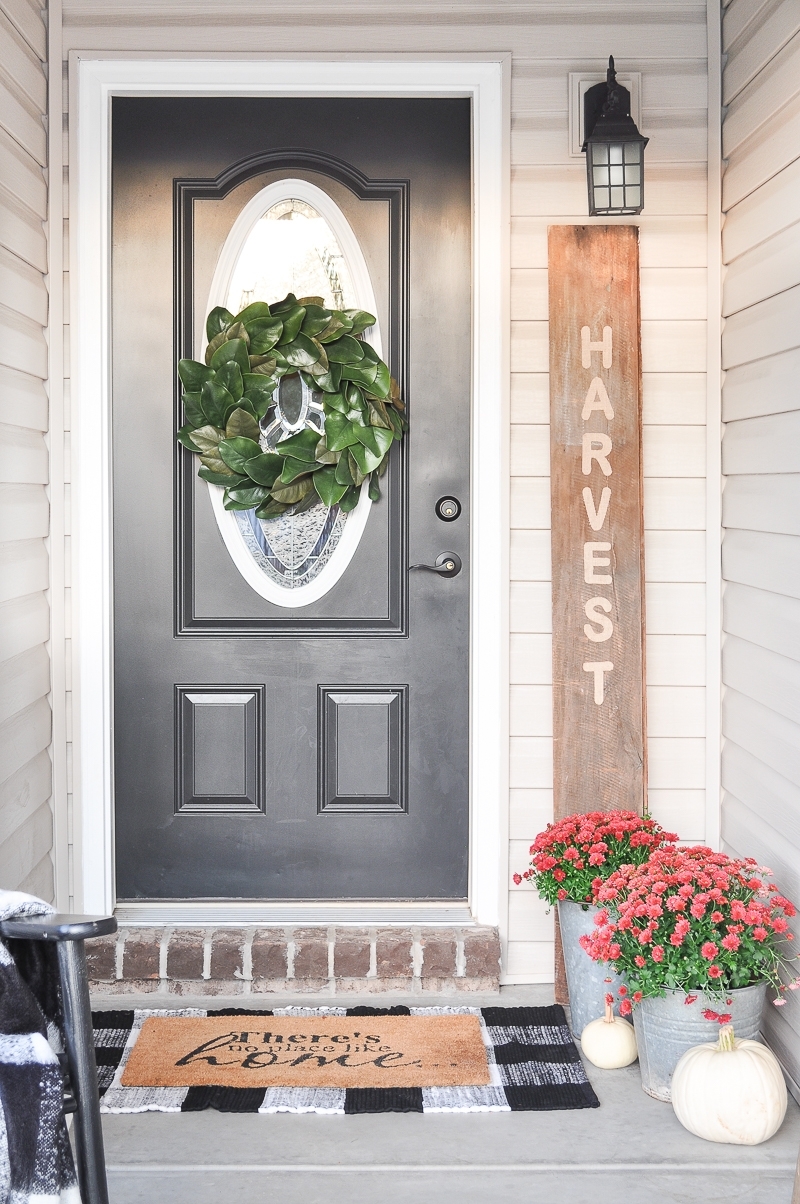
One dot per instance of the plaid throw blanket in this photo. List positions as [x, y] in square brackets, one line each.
[35, 1158]
[533, 1061]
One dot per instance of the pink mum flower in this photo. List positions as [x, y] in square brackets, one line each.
[709, 951]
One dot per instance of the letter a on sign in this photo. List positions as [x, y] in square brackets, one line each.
[596, 483]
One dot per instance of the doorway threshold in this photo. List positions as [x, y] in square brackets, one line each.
[291, 911]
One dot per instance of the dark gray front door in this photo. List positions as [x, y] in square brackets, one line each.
[266, 750]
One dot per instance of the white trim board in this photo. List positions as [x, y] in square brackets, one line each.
[94, 80]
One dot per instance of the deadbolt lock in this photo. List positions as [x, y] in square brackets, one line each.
[448, 509]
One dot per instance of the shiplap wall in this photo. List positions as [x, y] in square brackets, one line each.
[26, 823]
[761, 452]
[666, 41]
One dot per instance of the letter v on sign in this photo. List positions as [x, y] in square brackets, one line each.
[596, 514]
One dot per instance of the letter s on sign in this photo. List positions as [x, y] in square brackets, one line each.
[606, 626]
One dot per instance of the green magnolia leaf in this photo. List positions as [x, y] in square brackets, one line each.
[259, 402]
[302, 446]
[242, 423]
[283, 307]
[316, 319]
[295, 468]
[271, 509]
[227, 478]
[397, 423]
[327, 487]
[193, 375]
[289, 494]
[355, 469]
[236, 452]
[323, 456]
[350, 500]
[230, 377]
[382, 382]
[338, 325]
[367, 436]
[381, 469]
[208, 438]
[213, 462]
[355, 398]
[264, 469]
[292, 321]
[264, 335]
[232, 351]
[377, 414]
[305, 503]
[361, 374]
[185, 437]
[346, 350]
[311, 301]
[366, 460]
[337, 401]
[257, 311]
[339, 432]
[324, 376]
[374, 488]
[342, 471]
[250, 496]
[360, 319]
[256, 382]
[193, 409]
[302, 352]
[215, 401]
[218, 320]
[231, 332]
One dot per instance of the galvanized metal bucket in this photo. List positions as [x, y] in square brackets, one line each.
[587, 980]
[667, 1026]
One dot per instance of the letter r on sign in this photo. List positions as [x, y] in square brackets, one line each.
[596, 447]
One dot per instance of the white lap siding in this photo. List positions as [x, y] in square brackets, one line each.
[665, 41]
[26, 822]
[761, 453]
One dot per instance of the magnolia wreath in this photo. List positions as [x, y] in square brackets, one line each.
[298, 358]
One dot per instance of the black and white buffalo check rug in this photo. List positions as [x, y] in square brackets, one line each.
[534, 1065]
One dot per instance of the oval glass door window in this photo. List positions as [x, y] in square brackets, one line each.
[292, 237]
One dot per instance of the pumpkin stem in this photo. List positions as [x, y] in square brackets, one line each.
[609, 1016]
[726, 1042]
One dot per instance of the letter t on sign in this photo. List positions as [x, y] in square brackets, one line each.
[599, 757]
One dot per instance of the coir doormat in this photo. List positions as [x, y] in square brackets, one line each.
[312, 1051]
[531, 1059]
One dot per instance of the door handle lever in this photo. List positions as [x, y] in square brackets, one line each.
[447, 564]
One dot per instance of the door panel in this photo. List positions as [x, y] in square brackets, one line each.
[264, 751]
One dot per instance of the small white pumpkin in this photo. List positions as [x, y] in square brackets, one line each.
[609, 1042]
[731, 1091]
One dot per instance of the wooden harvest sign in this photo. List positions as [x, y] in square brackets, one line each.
[597, 526]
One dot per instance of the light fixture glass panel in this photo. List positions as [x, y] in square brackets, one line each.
[617, 175]
[633, 152]
[291, 249]
[601, 176]
[633, 197]
[600, 152]
[618, 198]
[632, 174]
[602, 198]
[615, 154]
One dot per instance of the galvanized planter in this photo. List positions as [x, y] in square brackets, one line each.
[586, 979]
[667, 1026]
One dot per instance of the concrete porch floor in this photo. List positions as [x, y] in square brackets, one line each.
[631, 1150]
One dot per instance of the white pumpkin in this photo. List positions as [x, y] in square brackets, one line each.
[609, 1042]
[731, 1091]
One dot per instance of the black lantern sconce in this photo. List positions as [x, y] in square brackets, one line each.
[614, 149]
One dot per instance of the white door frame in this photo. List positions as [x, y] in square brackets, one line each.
[94, 79]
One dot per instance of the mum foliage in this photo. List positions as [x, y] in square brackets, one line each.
[227, 397]
[573, 856]
[691, 920]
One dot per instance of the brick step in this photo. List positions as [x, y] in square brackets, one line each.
[293, 959]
